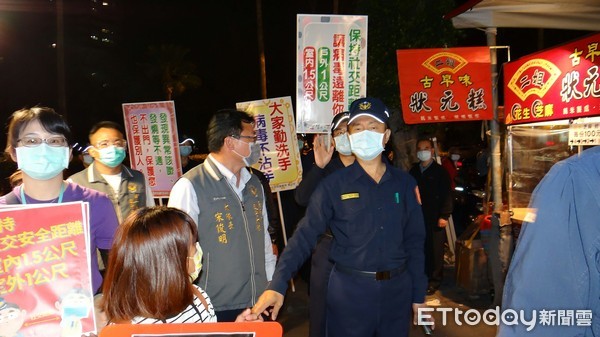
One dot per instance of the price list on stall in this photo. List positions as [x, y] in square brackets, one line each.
[584, 134]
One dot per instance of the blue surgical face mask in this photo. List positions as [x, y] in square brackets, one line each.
[87, 159]
[367, 144]
[76, 312]
[424, 155]
[112, 156]
[185, 150]
[342, 144]
[42, 162]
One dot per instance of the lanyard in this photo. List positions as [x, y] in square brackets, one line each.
[60, 194]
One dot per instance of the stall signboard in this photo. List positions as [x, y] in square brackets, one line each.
[331, 68]
[45, 282]
[445, 84]
[153, 145]
[275, 133]
[559, 83]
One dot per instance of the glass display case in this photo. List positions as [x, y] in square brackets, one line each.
[532, 150]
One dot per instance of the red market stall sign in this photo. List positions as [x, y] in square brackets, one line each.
[445, 85]
[560, 83]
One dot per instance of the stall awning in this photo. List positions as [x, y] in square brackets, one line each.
[571, 14]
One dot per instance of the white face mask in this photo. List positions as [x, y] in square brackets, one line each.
[455, 157]
[253, 154]
[367, 144]
[197, 262]
[424, 155]
[342, 144]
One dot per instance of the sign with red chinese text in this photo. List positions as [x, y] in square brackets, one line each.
[45, 277]
[559, 83]
[153, 145]
[331, 68]
[445, 84]
[280, 156]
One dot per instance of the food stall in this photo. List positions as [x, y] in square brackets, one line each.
[550, 100]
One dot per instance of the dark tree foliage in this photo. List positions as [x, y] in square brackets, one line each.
[397, 25]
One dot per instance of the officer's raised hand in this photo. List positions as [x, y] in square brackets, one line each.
[323, 150]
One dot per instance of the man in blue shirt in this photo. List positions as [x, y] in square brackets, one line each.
[554, 275]
[374, 214]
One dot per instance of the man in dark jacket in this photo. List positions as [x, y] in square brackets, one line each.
[436, 201]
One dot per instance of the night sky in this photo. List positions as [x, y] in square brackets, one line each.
[221, 37]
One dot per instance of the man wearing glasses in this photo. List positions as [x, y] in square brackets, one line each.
[127, 188]
[228, 204]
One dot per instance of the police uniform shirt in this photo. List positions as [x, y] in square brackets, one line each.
[377, 226]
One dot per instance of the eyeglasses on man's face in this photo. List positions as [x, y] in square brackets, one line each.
[57, 141]
[106, 143]
[251, 138]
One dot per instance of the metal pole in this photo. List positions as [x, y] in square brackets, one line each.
[261, 49]
[60, 59]
[283, 231]
[494, 127]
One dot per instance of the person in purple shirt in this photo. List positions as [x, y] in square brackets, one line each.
[38, 140]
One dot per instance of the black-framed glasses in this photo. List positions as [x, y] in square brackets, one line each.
[252, 138]
[56, 141]
[106, 143]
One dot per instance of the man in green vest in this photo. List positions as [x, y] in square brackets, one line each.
[127, 188]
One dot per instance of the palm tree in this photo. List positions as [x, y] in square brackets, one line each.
[170, 65]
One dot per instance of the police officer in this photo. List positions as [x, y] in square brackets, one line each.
[373, 212]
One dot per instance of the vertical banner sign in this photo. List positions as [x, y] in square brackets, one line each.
[45, 278]
[153, 145]
[445, 85]
[280, 156]
[559, 83]
[331, 68]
